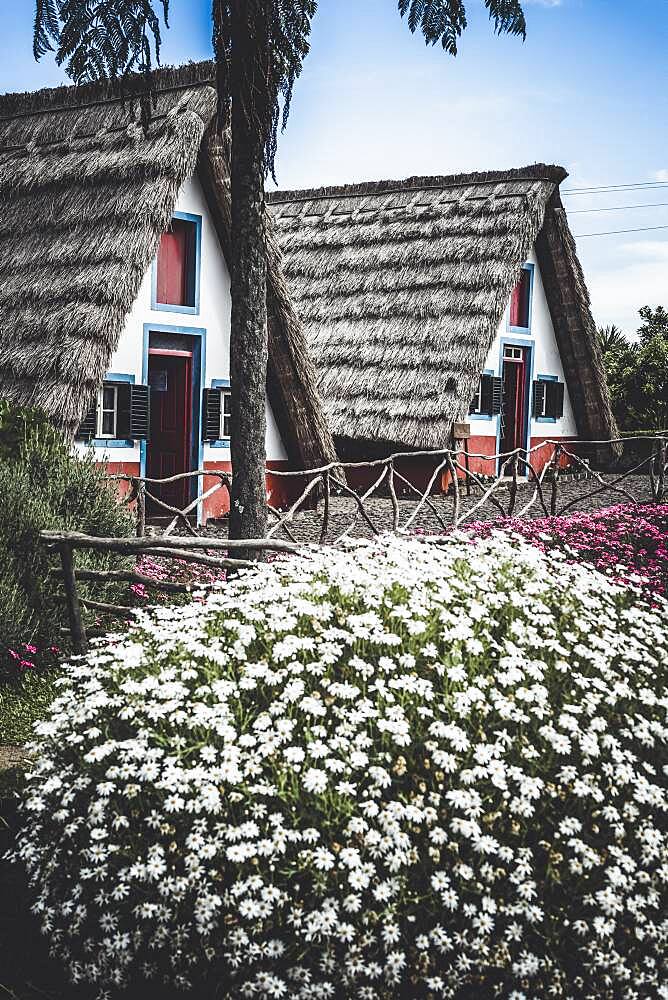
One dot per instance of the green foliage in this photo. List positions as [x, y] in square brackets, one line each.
[101, 41]
[22, 705]
[637, 372]
[259, 52]
[16, 426]
[43, 485]
[611, 338]
[444, 20]
[655, 324]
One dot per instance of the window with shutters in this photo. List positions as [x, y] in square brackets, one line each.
[118, 415]
[216, 416]
[548, 399]
[520, 300]
[177, 266]
[487, 401]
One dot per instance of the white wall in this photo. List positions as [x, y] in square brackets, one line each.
[546, 361]
[213, 316]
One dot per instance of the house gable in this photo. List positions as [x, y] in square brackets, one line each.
[85, 195]
[402, 286]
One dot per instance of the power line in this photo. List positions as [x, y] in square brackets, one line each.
[619, 208]
[635, 186]
[618, 232]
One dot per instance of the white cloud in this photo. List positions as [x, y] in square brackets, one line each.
[661, 175]
[634, 277]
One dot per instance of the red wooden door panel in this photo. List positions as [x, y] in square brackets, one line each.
[174, 261]
[169, 446]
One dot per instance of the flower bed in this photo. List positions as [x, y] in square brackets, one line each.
[628, 542]
[401, 770]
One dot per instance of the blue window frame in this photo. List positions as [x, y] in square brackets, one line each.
[192, 310]
[221, 383]
[546, 378]
[106, 442]
[525, 329]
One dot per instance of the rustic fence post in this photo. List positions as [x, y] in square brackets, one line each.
[452, 469]
[461, 432]
[513, 485]
[393, 496]
[326, 478]
[555, 479]
[663, 458]
[77, 630]
[141, 509]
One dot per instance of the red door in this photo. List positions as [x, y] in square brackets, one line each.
[514, 422]
[169, 445]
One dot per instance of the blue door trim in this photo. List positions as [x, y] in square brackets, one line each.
[529, 347]
[199, 380]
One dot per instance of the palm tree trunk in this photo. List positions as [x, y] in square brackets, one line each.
[248, 336]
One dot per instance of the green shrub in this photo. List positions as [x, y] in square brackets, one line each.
[44, 485]
[406, 769]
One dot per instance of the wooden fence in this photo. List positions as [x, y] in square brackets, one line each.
[544, 489]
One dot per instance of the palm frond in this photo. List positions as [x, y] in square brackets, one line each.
[444, 20]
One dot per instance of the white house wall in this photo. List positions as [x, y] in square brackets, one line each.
[546, 360]
[213, 316]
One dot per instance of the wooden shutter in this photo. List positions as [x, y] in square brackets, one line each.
[88, 426]
[538, 397]
[123, 393]
[140, 412]
[486, 394]
[554, 399]
[211, 410]
[497, 394]
[548, 399]
[491, 394]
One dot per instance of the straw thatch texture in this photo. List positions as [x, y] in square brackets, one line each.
[402, 286]
[574, 326]
[84, 198]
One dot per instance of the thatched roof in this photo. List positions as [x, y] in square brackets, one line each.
[402, 285]
[84, 198]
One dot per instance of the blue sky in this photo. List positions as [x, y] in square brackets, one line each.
[587, 89]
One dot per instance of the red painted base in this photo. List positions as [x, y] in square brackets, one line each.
[281, 490]
[413, 475]
[419, 471]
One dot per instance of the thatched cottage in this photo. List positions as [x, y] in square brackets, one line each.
[441, 299]
[115, 289]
